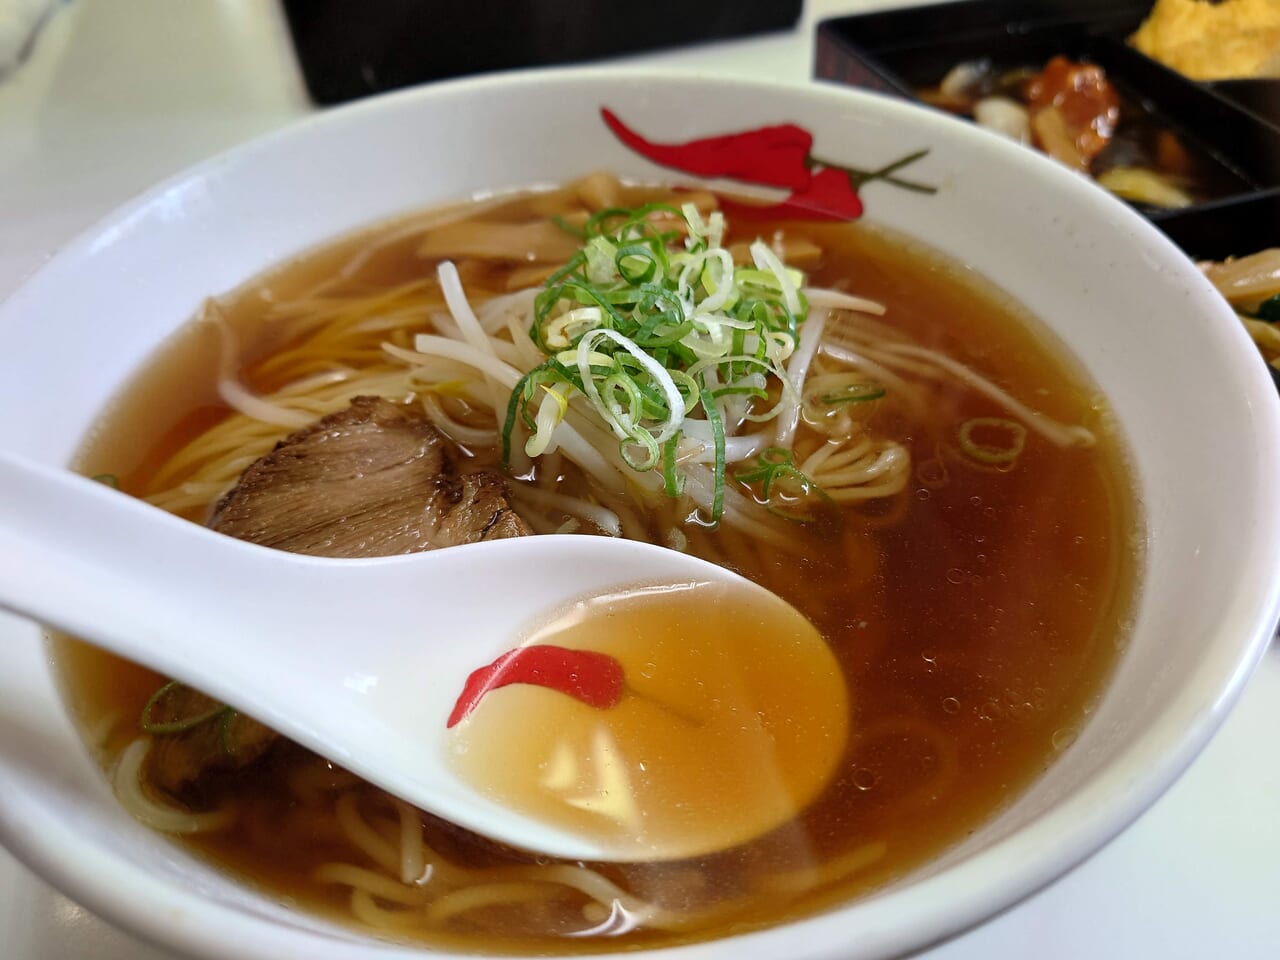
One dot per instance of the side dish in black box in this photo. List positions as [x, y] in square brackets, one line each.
[1063, 76]
[1238, 246]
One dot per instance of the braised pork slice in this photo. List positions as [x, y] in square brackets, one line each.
[370, 481]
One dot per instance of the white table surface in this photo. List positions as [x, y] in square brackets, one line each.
[120, 93]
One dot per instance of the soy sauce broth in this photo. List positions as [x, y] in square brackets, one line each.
[731, 716]
[975, 618]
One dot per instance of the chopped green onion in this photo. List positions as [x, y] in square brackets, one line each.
[998, 454]
[672, 482]
[644, 323]
[151, 725]
[855, 393]
[636, 263]
[717, 434]
[224, 732]
[568, 227]
[108, 479]
[774, 467]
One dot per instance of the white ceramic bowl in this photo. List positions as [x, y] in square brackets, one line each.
[1200, 415]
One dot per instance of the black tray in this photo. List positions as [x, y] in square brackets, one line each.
[1233, 228]
[354, 48]
[1259, 95]
[900, 51]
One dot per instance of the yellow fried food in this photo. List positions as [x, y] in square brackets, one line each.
[1213, 41]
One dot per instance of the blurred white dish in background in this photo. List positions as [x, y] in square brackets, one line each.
[20, 24]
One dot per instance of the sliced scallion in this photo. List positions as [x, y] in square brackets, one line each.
[646, 323]
[1012, 433]
[780, 479]
[854, 393]
[156, 703]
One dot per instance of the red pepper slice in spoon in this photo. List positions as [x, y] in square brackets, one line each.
[595, 679]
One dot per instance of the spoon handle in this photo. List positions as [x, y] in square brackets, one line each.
[72, 556]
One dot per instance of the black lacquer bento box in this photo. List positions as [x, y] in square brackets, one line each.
[1231, 129]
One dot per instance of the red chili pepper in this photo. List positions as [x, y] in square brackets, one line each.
[595, 679]
[829, 196]
[770, 156]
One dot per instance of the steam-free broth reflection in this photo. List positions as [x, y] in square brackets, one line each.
[974, 602]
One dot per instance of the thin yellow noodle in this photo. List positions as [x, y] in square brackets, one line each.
[305, 386]
[733, 548]
[494, 885]
[895, 481]
[365, 909]
[128, 782]
[368, 840]
[377, 884]
[842, 867]
[643, 913]
[459, 431]
[310, 782]
[834, 454]
[713, 548]
[355, 322]
[206, 458]
[868, 463]
[597, 515]
[861, 462]
[456, 902]
[384, 322]
[901, 389]
[234, 394]
[352, 339]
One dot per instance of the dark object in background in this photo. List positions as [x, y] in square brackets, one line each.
[904, 50]
[900, 50]
[354, 48]
[1233, 228]
[1237, 122]
[1258, 95]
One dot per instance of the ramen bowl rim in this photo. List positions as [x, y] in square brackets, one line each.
[960, 897]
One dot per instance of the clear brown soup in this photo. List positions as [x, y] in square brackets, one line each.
[977, 615]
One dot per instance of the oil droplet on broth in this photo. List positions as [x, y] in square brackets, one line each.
[734, 716]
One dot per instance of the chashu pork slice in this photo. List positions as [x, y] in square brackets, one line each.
[372, 480]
